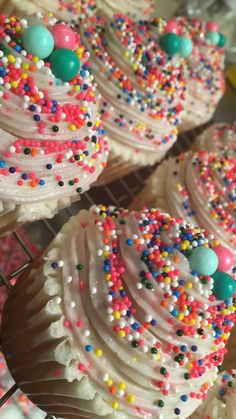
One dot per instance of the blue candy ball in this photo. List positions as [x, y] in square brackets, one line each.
[213, 37]
[38, 40]
[186, 46]
[203, 260]
[224, 286]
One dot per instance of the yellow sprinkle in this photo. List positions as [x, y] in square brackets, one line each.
[72, 127]
[180, 316]
[166, 269]
[35, 59]
[115, 405]
[122, 386]
[109, 382]
[167, 280]
[214, 348]
[190, 366]
[224, 311]
[108, 277]
[98, 352]
[232, 309]
[11, 59]
[189, 285]
[121, 333]
[225, 335]
[158, 356]
[76, 88]
[216, 243]
[14, 83]
[116, 314]
[131, 398]
[25, 66]
[164, 254]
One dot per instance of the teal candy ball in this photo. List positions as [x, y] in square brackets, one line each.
[223, 40]
[203, 260]
[186, 46]
[224, 286]
[65, 64]
[170, 43]
[38, 41]
[213, 37]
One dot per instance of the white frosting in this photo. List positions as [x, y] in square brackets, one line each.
[221, 400]
[55, 151]
[218, 138]
[176, 187]
[138, 9]
[67, 10]
[140, 120]
[66, 307]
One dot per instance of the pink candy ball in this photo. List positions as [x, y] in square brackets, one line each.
[225, 258]
[212, 27]
[63, 36]
[172, 27]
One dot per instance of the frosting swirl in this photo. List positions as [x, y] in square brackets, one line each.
[204, 73]
[123, 326]
[52, 142]
[199, 187]
[141, 87]
[219, 138]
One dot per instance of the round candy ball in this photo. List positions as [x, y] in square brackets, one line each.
[203, 260]
[223, 40]
[224, 286]
[65, 64]
[38, 40]
[225, 258]
[212, 27]
[186, 46]
[213, 38]
[63, 36]
[172, 27]
[170, 43]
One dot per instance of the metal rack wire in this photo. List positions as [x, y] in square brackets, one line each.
[119, 193]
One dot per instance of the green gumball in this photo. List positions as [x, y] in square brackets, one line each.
[65, 64]
[170, 43]
[224, 285]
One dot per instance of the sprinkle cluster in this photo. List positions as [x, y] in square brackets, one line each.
[63, 129]
[183, 330]
[141, 77]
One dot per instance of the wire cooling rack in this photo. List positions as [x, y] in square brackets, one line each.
[119, 193]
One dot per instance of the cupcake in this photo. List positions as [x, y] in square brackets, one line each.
[136, 9]
[67, 10]
[52, 144]
[142, 89]
[221, 399]
[218, 138]
[19, 406]
[204, 69]
[200, 187]
[124, 316]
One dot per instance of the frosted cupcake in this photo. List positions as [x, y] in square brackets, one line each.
[218, 138]
[67, 10]
[136, 9]
[124, 316]
[52, 146]
[221, 399]
[141, 88]
[204, 69]
[201, 188]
